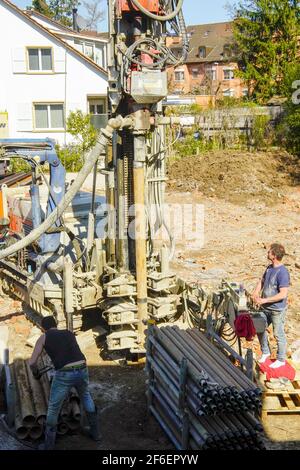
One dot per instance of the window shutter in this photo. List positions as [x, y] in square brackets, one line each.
[59, 60]
[24, 117]
[19, 60]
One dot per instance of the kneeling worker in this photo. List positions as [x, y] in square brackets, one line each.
[70, 371]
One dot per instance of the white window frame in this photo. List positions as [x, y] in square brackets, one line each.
[48, 104]
[230, 93]
[95, 102]
[40, 70]
[182, 75]
[228, 70]
[84, 44]
[212, 73]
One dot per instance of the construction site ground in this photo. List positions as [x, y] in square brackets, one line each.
[244, 213]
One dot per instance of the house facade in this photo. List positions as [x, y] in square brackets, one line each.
[210, 71]
[43, 77]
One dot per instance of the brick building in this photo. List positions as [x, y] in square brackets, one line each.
[210, 70]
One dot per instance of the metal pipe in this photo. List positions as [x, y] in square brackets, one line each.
[37, 397]
[36, 432]
[210, 353]
[62, 428]
[188, 351]
[140, 239]
[73, 424]
[205, 344]
[68, 292]
[165, 427]
[22, 386]
[225, 431]
[219, 357]
[176, 353]
[76, 413]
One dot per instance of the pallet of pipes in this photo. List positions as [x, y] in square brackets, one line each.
[200, 399]
[31, 402]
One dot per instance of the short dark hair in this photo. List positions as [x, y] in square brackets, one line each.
[48, 322]
[278, 250]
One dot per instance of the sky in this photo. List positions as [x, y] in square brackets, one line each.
[195, 11]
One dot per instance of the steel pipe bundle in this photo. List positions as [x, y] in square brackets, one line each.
[201, 400]
[31, 403]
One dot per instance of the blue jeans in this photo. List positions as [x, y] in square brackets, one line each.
[62, 383]
[277, 318]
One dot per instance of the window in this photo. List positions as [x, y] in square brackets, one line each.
[49, 116]
[97, 110]
[195, 73]
[211, 74]
[89, 50]
[94, 51]
[202, 52]
[40, 59]
[179, 76]
[227, 51]
[229, 92]
[228, 74]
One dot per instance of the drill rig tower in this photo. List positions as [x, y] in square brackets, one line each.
[137, 60]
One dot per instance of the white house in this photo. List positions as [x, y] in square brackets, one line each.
[90, 43]
[43, 77]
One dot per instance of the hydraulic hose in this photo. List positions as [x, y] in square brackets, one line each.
[103, 139]
[158, 17]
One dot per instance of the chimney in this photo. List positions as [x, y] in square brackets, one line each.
[75, 23]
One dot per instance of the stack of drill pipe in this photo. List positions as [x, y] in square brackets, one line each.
[219, 399]
[31, 402]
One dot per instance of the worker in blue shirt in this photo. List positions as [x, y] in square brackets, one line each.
[271, 295]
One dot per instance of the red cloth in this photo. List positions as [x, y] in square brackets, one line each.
[286, 371]
[244, 327]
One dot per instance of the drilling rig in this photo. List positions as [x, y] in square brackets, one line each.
[118, 270]
[114, 265]
[137, 61]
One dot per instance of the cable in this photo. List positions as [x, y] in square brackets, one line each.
[168, 17]
[105, 135]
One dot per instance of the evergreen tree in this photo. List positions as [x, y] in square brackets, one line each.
[267, 35]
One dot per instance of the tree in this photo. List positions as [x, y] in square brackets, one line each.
[62, 10]
[42, 6]
[289, 128]
[94, 14]
[266, 34]
[79, 126]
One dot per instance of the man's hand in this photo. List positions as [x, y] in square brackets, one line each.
[259, 301]
[255, 297]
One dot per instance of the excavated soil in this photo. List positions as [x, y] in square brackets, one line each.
[236, 176]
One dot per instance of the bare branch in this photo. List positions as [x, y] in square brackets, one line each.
[94, 14]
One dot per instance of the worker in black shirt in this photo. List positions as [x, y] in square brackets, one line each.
[70, 371]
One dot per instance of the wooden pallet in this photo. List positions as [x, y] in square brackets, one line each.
[282, 401]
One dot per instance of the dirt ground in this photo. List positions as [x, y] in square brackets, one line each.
[239, 225]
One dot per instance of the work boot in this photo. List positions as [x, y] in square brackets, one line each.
[49, 443]
[94, 431]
